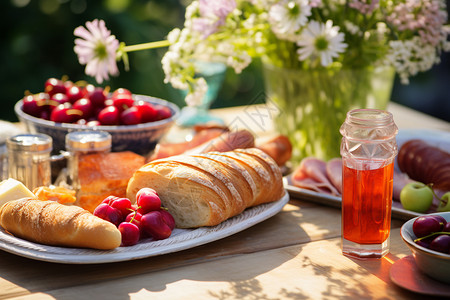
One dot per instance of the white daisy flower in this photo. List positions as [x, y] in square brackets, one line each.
[96, 48]
[288, 16]
[322, 41]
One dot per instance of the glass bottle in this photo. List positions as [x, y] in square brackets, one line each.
[29, 159]
[368, 150]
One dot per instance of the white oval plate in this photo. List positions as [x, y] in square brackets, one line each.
[180, 239]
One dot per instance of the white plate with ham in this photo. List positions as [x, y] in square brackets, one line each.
[320, 181]
[180, 239]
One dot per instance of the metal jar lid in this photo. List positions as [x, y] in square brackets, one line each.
[87, 141]
[37, 143]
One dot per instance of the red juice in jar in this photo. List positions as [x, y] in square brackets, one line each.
[368, 150]
[366, 204]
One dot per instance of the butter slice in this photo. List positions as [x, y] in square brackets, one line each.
[11, 189]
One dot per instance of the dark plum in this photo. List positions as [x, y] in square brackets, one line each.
[441, 243]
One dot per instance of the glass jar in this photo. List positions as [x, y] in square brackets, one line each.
[29, 159]
[80, 143]
[368, 150]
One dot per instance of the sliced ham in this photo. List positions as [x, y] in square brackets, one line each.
[312, 174]
[334, 173]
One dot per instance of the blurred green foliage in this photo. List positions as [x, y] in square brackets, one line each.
[37, 43]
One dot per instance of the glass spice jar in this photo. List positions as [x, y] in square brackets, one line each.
[80, 143]
[29, 159]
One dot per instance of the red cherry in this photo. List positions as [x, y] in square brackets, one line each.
[163, 112]
[148, 112]
[74, 93]
[121, 91]
[123, 101]
[53, 86]
[85, 106]
[148, 200]
[122, 204]
[64, 113]
[58, 98]
[130, 233]
[108, 213]
[168, 218]
[109, 115]
[153, 224]
[31, 106]
[134, 217]
[131, 116]
[110, 199]
[98, 97]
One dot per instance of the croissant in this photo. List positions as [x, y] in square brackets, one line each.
[207, 189]
[52, 223]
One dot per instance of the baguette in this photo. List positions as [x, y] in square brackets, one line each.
[207, 189]
[52, 223]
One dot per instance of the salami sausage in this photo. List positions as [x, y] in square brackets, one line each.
[425, 163]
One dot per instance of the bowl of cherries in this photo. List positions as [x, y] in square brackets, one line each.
[428, 237]
[135, 122]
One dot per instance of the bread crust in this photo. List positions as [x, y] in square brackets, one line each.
[238, 180]
[52, 223]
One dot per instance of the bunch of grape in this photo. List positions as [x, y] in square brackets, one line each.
[146, 219]
[67, 102]
[432, 232]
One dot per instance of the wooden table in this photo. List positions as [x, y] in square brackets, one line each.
[293, 255]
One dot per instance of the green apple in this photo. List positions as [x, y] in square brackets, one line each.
[416, 196]
[444, 205]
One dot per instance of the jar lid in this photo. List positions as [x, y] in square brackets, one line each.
[30, 142]
[93, 140]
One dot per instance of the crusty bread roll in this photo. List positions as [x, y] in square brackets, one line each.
[52, 223]
[207, 189]
[104, 174]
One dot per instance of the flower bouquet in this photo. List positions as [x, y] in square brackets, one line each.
[337, 45]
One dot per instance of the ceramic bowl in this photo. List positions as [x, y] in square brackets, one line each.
[140, 138]
[434, 264]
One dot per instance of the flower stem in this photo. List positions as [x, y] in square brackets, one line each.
[144, 46]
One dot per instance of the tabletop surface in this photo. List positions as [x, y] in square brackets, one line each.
[293, 255]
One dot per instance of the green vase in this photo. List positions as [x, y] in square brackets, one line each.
[312, 104]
